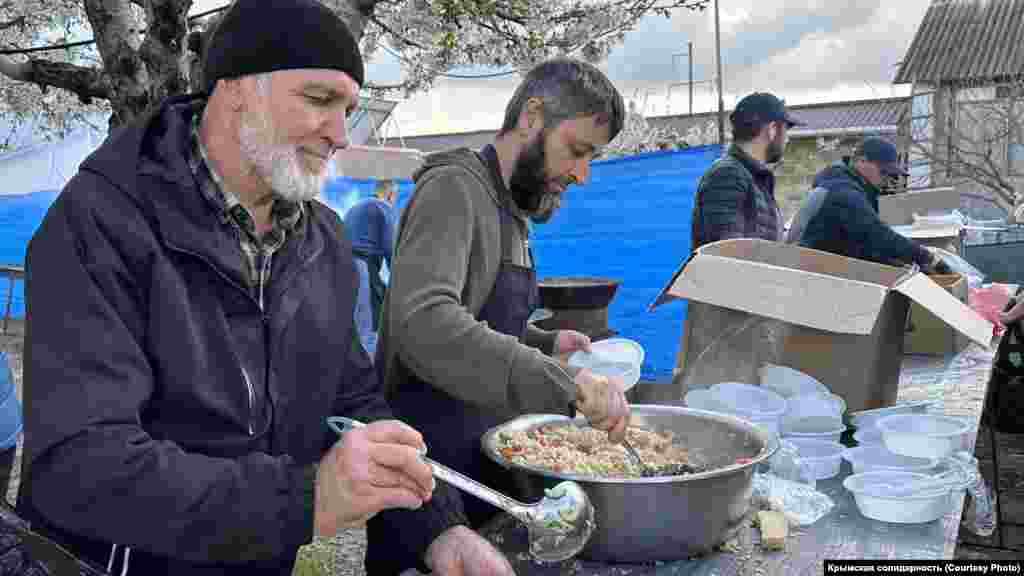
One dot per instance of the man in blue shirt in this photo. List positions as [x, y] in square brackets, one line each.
[371, 227]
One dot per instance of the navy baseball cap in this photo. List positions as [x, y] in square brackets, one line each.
[761, 108]
[881, 152]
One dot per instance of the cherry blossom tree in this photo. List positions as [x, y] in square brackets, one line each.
[145, 50]
[638, 135]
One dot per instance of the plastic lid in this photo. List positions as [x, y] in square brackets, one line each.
[616, 357]
[749, 400]
[787, 381]
[868, 436]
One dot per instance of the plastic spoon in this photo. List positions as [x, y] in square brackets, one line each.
[558, 526]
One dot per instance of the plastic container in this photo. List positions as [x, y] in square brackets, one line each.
[752, 403]
[610, 358]
[819, 459]
[868, 437]
[926, 506]
[817, 428]
[868, 418]
[787, 382]
[878, 457]
[922, 435]
[812, 406]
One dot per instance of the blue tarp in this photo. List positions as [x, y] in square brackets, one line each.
[630, 222]
[20, 215]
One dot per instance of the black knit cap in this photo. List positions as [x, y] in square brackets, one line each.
[257, 36]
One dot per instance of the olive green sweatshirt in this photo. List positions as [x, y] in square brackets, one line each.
[447, 253]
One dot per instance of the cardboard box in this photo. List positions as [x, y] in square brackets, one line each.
[949, 238]
[927, 334]
[844, 318]
[899, 209]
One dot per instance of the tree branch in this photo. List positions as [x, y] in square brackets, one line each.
[19, 21]
[394, 34]
[86, 83]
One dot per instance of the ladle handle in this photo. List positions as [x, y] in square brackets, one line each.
[477, 489]
[340, 424]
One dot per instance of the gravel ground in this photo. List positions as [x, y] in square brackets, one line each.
[960, 387]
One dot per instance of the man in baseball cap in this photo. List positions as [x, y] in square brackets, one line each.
[736, 196]
[843, 218]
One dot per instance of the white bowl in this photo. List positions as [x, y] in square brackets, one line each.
[818, 428]
[820, 459]
[787, 382]
[922, 435]
[877, 457]
[618, 350]
[919, 508]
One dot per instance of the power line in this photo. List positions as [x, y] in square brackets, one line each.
[54, 47]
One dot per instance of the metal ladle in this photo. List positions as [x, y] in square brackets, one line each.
[558, 526]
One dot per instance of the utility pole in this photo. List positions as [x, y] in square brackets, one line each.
[721, 104]
[689, 52]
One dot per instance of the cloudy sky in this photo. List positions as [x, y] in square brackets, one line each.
[803, 50]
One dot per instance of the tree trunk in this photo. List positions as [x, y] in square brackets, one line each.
[164, 51]
[142, 73]
[117, 43]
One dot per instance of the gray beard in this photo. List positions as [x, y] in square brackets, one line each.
[277, 165]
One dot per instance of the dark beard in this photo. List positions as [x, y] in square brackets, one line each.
[528, 184]
[776, 150]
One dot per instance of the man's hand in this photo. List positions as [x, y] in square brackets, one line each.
[939, 266]
[1015, 313]
[602, 401]
[569, 341]
[460, 551]
[368, 470]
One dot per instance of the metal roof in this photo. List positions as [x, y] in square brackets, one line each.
[966, 41]
[833, 118]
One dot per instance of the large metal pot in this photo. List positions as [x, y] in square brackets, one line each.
[661, 518]
[576, 292]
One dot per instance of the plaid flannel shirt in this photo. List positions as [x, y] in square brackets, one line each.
[258, 249]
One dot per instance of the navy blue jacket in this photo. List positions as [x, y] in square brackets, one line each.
[848, 223]
[164, 409]
[735, 199]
